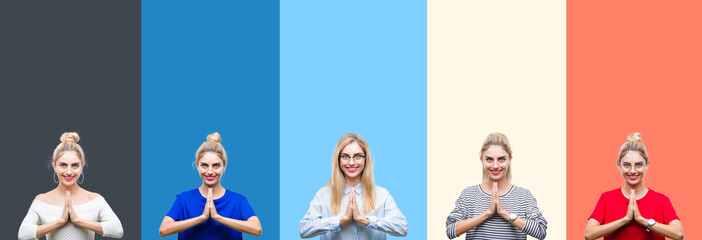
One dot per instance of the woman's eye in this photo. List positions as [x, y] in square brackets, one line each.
[639, 164]
[62, 165]
[75, 165]
[216, 166]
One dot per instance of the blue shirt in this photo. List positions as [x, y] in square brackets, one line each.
[385, 219]
[191, 203]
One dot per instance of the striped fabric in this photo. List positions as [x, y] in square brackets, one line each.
[474, 200]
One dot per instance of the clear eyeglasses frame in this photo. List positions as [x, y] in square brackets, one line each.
[357, 157]
[627, 166]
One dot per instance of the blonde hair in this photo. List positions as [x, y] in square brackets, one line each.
[337, 182]
[212, 145]
[497, 139]
[633, 143]
[69, 142]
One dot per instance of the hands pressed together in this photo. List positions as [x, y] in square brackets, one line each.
[496, 204]
[352, 212]
[632, 213]
[210, 210]
[68, 213]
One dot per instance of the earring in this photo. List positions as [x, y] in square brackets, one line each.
[81, 175]
[55, 179]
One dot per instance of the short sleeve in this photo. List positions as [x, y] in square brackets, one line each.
[176, 212]
[246, 209]
[599, 212]
[669, 213]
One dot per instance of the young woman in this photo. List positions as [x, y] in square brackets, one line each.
[210, 211]
[633, 211]
[496, 209]
[69, 211]
[351, 206]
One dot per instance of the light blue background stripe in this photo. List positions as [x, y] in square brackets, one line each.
[356, 66]
[210, 66]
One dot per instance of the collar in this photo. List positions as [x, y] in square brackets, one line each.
[358, 189]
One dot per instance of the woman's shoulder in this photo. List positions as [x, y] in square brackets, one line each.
[521, 191]
[381, 190]
[472, 189]
[189, 193]
[656, 195]
[92, 195]
[612, 193]
[233, 195]
[325, 190]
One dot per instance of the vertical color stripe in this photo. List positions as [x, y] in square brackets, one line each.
[496, 67]
[210, 66]
[70, 66]
[353, 67]
[634, 67]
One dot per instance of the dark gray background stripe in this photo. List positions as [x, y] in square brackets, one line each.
[70, 66]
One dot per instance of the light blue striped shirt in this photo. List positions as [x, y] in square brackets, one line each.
[320, 221]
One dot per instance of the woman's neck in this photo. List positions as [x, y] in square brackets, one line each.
[503, 186]
[217, 190]
[640, 189]
[62, 188]
[352, 182]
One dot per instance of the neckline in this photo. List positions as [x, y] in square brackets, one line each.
[508, 192]
[199, 194]
[625, 197]
[61, 206]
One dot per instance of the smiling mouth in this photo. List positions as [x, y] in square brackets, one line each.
[352, 169]
[68, 179]
[495, 172]
[210, 178]
[633, 177]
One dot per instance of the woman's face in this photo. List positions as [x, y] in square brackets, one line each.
[68, 168]
[211, 168]
[352, 160]
[633, 168]
[496, 161]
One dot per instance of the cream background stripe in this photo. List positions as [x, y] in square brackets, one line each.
[496, 66]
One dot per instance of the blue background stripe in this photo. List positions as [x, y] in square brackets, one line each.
[359, 67]
[210, 66]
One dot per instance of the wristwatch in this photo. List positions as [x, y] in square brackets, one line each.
[512, 217]
[651, 222]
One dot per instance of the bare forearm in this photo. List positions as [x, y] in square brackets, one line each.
[595, 231]
[673, 230]
[48, 227]
[465, 225]
[169, 226]
[90, 225]
[251, 226]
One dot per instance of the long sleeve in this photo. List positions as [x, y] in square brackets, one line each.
[111, 226]
[314, 224]
[28, 228]
[457, 214]
[393, 222]
[535, 224]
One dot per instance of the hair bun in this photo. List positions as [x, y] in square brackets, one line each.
[214, 137]
[69, 137]
[634, 137]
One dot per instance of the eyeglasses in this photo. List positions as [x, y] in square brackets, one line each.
[627, 166]
[356, 157]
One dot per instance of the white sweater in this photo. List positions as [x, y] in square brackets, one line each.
[95, 210]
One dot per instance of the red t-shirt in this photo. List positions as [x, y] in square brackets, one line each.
[613, 205]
